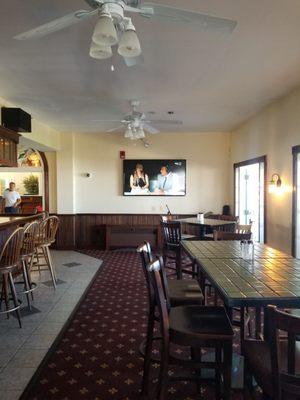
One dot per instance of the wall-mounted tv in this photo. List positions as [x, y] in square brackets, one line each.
[154, 177]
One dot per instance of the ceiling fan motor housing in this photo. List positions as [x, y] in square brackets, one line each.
[98, 3]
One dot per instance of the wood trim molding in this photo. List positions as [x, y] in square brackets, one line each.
[295, 152]
[46, 179]
[261, 159]
[9, 134]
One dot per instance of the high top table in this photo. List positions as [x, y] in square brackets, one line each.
[205, 223]
[273, 277]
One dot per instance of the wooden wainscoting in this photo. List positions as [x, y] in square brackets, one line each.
[100, 231]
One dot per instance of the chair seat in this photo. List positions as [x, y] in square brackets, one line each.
[185, 292]
[190, 325]
[258, 357]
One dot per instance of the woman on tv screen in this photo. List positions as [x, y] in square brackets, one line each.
[139, 180]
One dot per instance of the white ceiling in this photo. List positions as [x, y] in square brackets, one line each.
[211, 82]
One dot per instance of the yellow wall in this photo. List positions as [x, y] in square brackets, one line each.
[207, 156]
[272, 132]
[51, 158]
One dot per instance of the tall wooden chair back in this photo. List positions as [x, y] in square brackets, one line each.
[243, 228]
[147, 258]
[161, 296]
[47, 230]
[171, 233]
[10, 254]
[285, 382]
[30, 237]
[223, 235]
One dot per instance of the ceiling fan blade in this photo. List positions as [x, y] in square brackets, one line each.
[165, 121]
[56, 25]
[200, 20]
[105, 120]
[150, 129]
[132, 61]
[115, 129]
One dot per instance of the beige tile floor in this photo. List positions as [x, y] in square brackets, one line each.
[22, 350]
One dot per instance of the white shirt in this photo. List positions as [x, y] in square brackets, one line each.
[10, 197]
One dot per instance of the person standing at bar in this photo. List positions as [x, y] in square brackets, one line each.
[12, 199]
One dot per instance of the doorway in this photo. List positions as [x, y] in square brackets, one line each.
[249, 194]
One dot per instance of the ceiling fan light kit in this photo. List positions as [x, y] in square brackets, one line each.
[100, 52]
[105, 32]
[129, 45]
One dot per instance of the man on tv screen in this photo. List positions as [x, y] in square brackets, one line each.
[167, 181]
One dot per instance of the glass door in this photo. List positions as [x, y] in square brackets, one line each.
[250, 195]
[296, 202]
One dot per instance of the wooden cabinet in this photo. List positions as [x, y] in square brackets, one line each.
[8, 147]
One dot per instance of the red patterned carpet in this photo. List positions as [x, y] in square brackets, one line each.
[97, 356]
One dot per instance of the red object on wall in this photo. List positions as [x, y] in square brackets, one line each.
[122, 155]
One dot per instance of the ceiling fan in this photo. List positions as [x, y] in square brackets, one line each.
[114, 27]
[136, 123]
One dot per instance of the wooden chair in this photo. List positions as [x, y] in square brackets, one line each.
[181, 292]
[170, 217]
[243, 228]
[46, 235]
[27, 257]
[9, 263]
[192, 326]
[172, 250]
[274, 362]
[220, 235]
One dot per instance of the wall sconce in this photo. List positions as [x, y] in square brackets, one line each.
[275, 184]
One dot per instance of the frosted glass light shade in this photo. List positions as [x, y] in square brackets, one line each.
[105, 32]
[128, 133]
[129, 45]
[100, 52]
[140, 134]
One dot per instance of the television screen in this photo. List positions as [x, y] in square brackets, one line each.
[154, 177]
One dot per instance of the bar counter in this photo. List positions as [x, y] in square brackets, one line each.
[9, 223]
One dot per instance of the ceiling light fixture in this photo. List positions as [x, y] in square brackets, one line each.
[100, 52]
[129, 45]
[105, 32]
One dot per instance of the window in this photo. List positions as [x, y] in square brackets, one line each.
[249, 193]
[296, 202]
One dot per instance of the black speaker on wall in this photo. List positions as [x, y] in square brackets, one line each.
[16, 119]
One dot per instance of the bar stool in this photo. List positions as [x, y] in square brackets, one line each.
[181, 292]
[194, 327]
[46, 234]
[27, 256]
[172, 249]
[9, 262]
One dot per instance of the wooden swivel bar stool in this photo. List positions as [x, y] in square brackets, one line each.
[195, 327]
[9, 263]
[47, 230]
[27, 256]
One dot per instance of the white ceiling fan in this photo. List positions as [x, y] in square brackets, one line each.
[115, 27]
[136, 123]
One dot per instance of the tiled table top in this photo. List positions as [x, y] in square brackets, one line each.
[272, 278]
[229, 249]
[206, 221]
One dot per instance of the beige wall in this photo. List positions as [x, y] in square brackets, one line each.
[207, 157]
[42, 137]
[272, 132]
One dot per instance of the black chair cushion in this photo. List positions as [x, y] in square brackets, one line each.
[189, 325]
[184, 292]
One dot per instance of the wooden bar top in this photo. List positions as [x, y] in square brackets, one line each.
[13, 220]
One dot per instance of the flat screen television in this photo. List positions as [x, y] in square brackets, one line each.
[154, 177]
